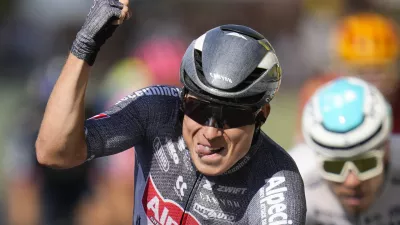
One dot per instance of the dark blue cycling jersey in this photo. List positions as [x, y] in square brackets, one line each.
[264, 187]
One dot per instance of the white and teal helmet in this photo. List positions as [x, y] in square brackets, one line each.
[346, 117]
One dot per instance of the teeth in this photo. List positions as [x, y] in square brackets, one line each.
[208, 148]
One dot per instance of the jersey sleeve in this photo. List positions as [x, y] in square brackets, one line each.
[126, 124]
[119, 128]
[283, 200]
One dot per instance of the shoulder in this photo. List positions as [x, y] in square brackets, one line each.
[152, 93]
[394, 161]
[276, 158]
[395, 141]
[281, 190]
[395, 154]
[149, 100]
[143, 107]
[306, 162]
[278, 167]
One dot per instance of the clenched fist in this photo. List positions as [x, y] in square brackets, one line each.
[103, 18]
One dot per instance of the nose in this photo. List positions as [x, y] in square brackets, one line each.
[352, 180]
[213, 122]
[212, 129]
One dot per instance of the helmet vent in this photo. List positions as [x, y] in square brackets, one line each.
[242, 30]
[199, 67]
[257, 73]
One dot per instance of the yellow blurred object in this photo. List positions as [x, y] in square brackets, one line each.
[366, 39]
[331, 7]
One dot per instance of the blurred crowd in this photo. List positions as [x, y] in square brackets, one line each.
[310, 38]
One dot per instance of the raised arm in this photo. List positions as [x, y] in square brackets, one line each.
[61, 139]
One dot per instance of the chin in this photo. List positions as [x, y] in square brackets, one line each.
[355, 210]
[209, 170]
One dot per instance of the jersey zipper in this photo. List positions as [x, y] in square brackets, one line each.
[196, 184]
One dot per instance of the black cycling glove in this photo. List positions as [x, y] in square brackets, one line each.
[97, 29]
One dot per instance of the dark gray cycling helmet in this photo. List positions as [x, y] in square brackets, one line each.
[231, 65]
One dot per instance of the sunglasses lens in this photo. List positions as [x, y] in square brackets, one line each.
[366, 164]
[197, 110]
[206, 113]
[237, 117]
[334, 167]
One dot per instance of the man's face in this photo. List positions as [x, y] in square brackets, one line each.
[356, 196]
[216, 148]
[359, 190]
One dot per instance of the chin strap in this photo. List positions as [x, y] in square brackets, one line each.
[260, 120]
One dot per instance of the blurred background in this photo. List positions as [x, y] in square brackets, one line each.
[311, 39]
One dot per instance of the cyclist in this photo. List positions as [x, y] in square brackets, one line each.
[352, 173]
[201, 156]
[364, 45]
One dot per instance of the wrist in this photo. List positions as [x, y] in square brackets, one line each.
[85, 48]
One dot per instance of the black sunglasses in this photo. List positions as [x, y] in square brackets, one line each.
[216, 115]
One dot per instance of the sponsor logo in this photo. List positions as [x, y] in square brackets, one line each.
[219, 201]
[224, 189]
[208, 185]
[187, 162]
[212, 214]
[172, 151]
[240, 164]
[154, 90]
[180, 187]
[217, 76]
[186, 156]
[181, 144]
[159, 153]
[273, 202]
[231, 190]
[99, 116]
[162, 211]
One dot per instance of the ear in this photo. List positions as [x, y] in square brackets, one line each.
[387, 152]
[266, 109]
[263, 115]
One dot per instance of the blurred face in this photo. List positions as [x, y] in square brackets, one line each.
[217, 136]
[362, 177]
[385, 77]
[356, 196]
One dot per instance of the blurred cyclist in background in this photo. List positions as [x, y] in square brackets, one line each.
[37, 194]
[364, 45]
[352, 174]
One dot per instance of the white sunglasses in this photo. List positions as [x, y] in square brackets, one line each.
[365, 166]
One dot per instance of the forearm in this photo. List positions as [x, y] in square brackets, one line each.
[61, 139]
